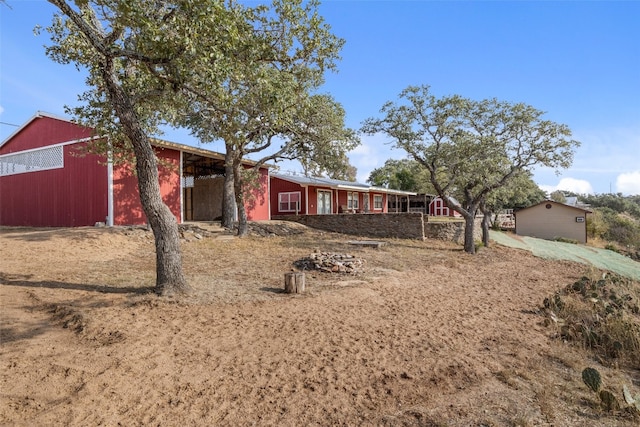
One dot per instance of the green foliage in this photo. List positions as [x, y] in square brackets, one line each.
[620, 230]
[609, 400]
[318, 138]
[616, 202]
[558, 196]
[147, 47]
[596, 225]
[591, 377]
[405, 175]
[519, 192]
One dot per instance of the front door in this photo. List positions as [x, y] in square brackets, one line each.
[324, 202]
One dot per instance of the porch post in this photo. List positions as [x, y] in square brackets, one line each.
[181, 189]
[110, 221]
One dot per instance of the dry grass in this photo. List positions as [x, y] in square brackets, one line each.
[600, 311]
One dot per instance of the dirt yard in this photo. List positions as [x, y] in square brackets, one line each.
[425, 335]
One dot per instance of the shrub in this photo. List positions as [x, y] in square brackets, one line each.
[602, 312]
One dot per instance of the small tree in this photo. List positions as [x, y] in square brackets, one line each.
[405, 175]
[471, 147]
[558, 196]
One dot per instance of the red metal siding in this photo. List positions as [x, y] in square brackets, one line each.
[342, 198]
[73, 196]
[438, 207]
[313, 199]
[127, 209]
[282, 186]
[372, 199]
[257, 204]
[44, 131]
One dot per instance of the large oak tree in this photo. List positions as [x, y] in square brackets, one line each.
[471, 148]
[267, 107]
[141, 56]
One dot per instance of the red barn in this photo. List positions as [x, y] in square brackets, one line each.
[47, 180]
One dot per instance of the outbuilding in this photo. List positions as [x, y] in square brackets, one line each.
[552, 220]
[47, 179]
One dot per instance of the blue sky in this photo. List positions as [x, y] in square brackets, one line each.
[577, 60]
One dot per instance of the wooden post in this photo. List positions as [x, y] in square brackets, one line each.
[294, 283]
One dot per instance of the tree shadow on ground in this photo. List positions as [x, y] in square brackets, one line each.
[32, 234]
[7, 280]
[272, 290]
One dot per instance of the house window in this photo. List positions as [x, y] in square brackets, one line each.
[352, 200]
[377, 202]
[289, 202]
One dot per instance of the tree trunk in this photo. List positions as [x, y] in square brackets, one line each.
[169, 276]
[469, 226]
[243, 226]
[469, 216]
[486, 223]
[228, 193]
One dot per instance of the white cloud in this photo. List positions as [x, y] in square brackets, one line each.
[361, 150]
[372, 153]
[579, 186]
[1, 109]
[628, 183]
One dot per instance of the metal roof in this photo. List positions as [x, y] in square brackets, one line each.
[556, 203]
[339, 184]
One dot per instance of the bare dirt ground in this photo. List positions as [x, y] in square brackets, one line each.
[425, 336]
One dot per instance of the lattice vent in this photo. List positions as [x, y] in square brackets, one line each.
[187, 181]
[32, 161]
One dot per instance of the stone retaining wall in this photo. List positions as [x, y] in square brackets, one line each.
[398, 225]
[453, 231]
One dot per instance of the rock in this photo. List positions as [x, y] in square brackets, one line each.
[330, 262]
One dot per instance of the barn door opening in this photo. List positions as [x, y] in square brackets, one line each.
[203, 179]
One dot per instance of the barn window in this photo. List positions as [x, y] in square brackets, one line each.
[289, 202]
[548, 206]
[32, 161]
